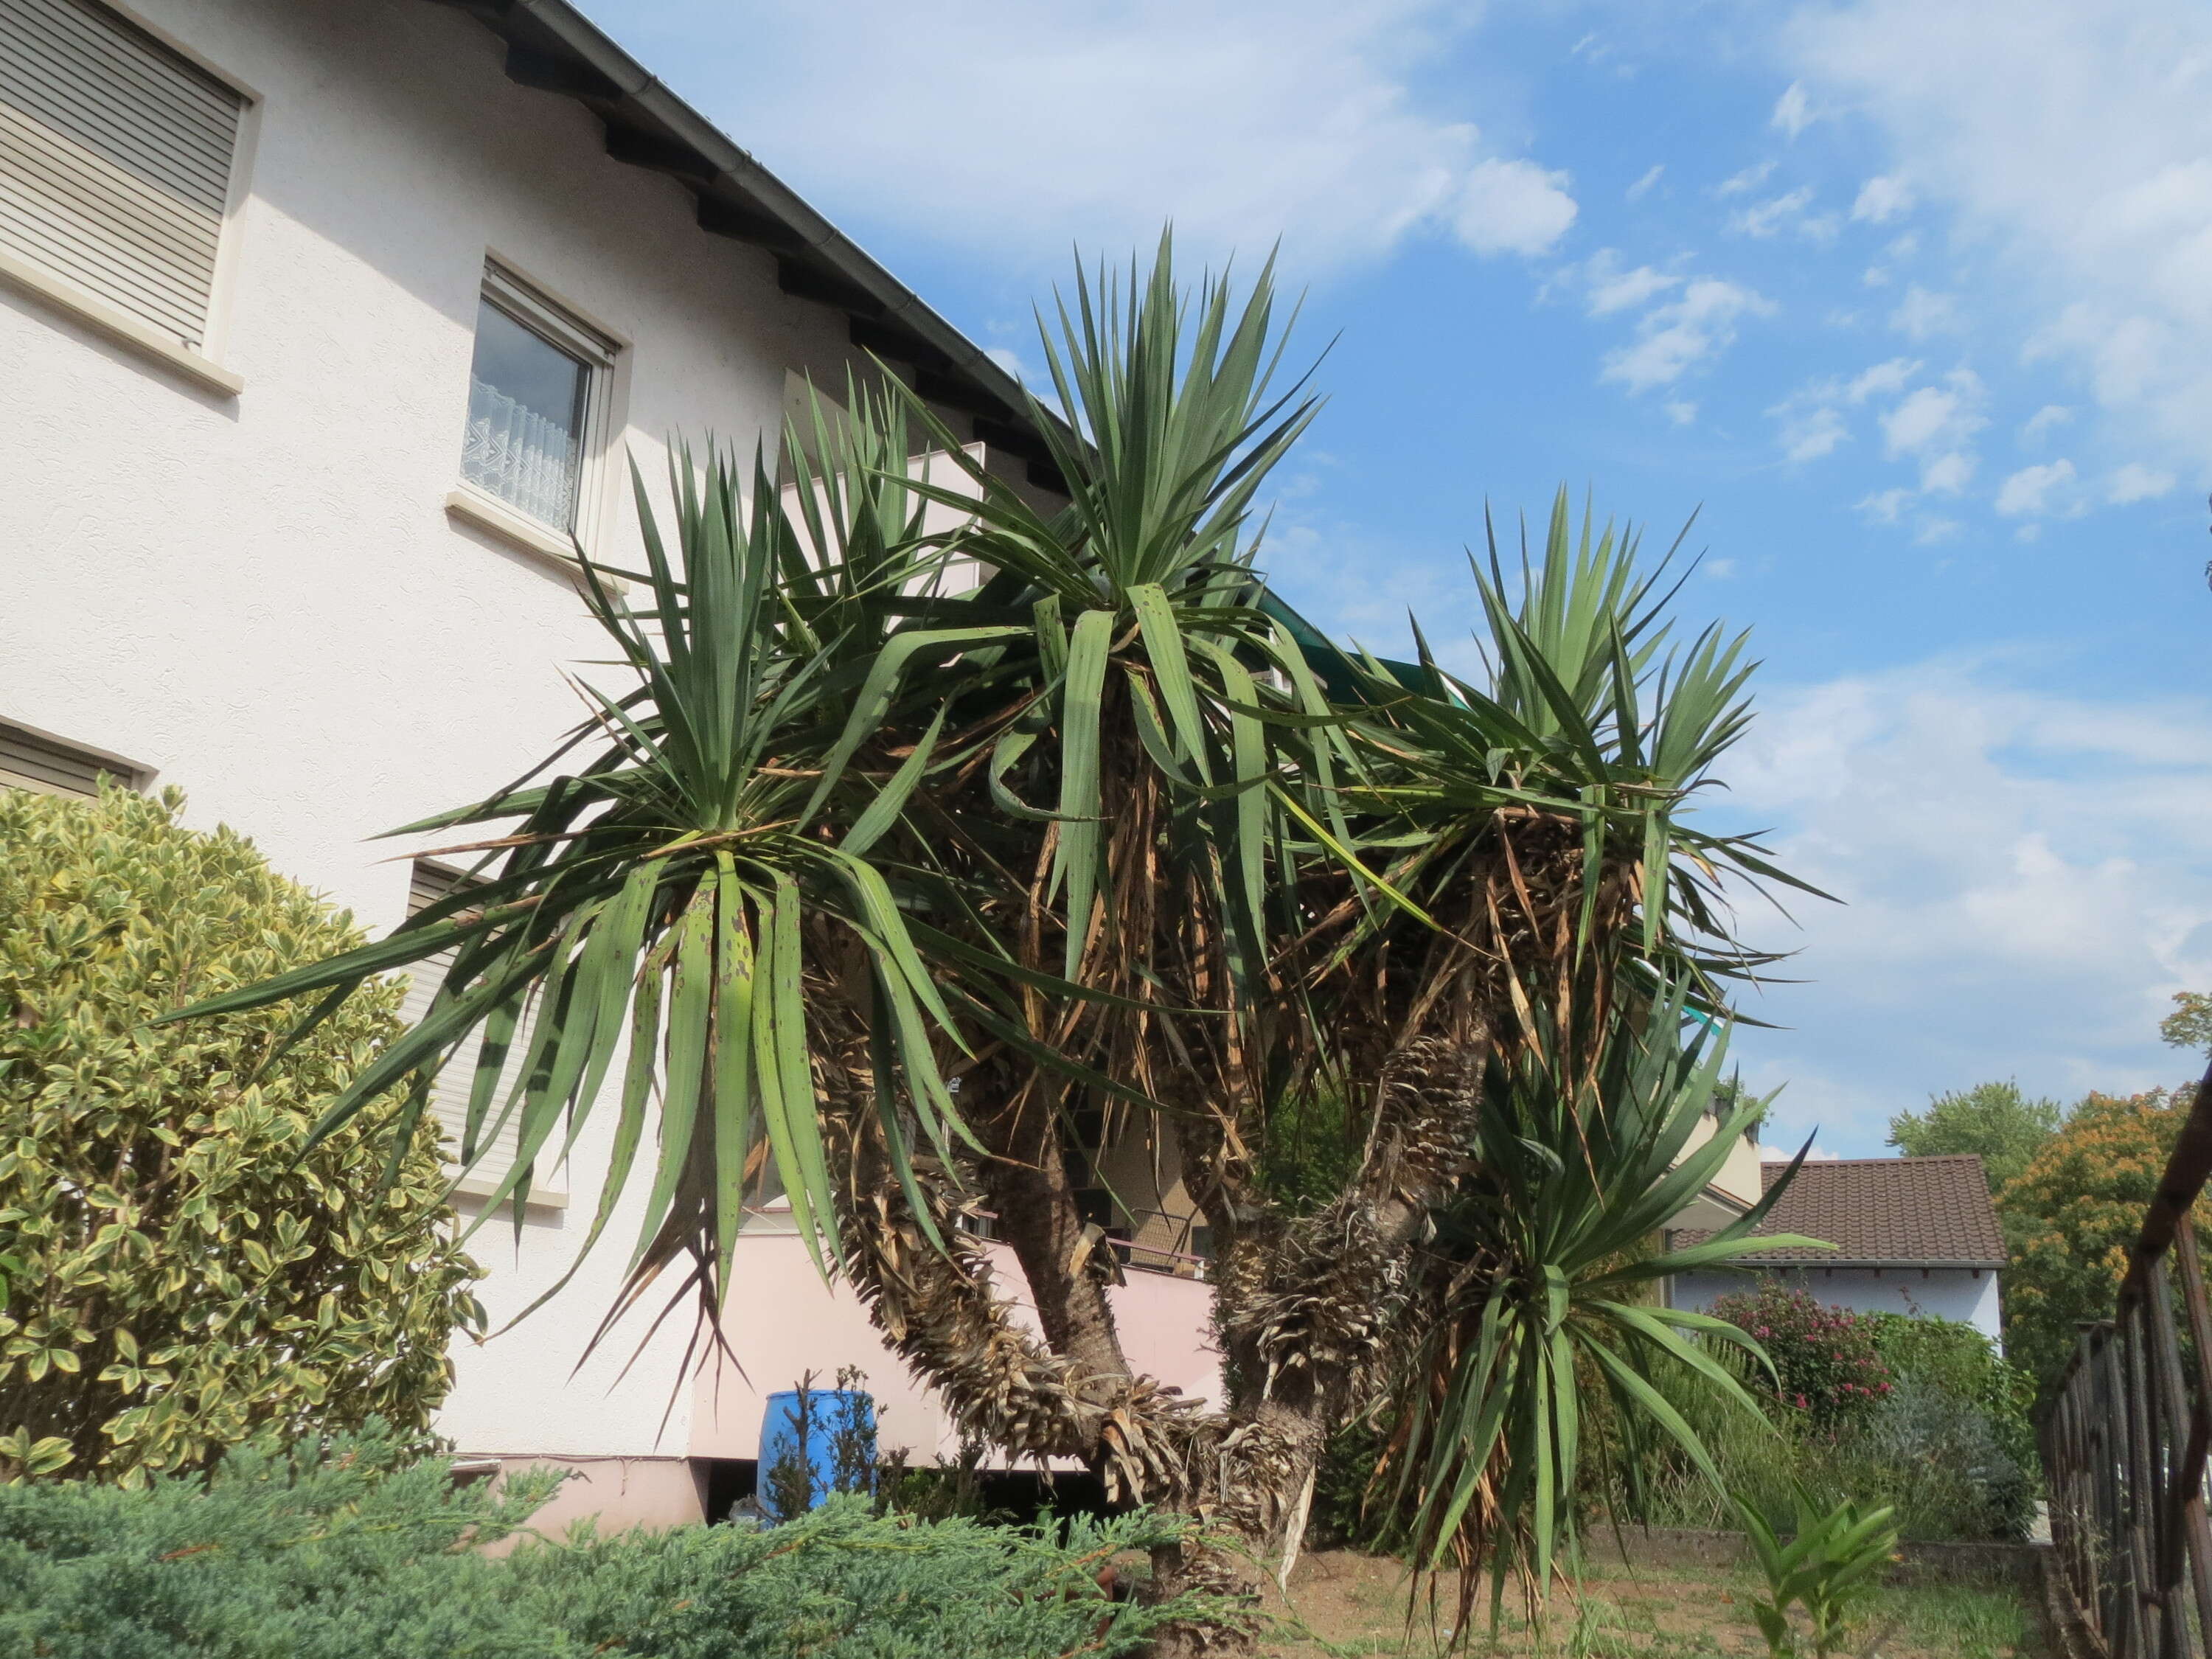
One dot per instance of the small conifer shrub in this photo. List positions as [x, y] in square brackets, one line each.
[358, 1551]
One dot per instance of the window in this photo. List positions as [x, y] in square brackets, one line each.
[115, 162]
[449, 1096]
[537, 396]
[28, 761]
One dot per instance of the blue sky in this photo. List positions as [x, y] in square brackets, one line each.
[1911, 299]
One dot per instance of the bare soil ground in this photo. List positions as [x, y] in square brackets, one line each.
[1345, 1606]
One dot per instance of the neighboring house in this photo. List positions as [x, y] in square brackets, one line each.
[1912, 1234]
[1734, 1189]
[327, 323]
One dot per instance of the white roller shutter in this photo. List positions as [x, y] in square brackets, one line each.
[115, 159]
[449, 1097]
[28, 761]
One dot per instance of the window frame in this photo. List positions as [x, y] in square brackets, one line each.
[563, 326]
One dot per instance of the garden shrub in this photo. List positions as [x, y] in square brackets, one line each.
[175, 1275]
[1826, 1367]
[1940, 1459]
[360, 1553]
[1945, 1440]
[1959, 1362]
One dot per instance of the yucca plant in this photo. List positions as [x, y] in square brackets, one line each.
[1543, 1319]
[673, 890]
[1543, 809]
[1123, 846]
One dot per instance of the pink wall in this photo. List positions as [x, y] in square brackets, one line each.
[616, 1492]
[782, 1320]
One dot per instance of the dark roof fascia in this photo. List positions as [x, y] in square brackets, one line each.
[1762, 1263]
[553, 47]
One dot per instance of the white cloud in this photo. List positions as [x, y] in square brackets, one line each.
[1792, 111]
[1512, 207]
[2137, 483]
[1642, 185]
[1011, 130]
[1807, 434]
[2071, 149]
[1813, 419]
[1887, 507]
[2028, 492]
[1675, 338]
[1945, 474]
[1883, 380]
[1936, 417]
[1922, 313]
[2050, 415]
[1612, 288]
[1763, 218]
[1680, 411]
[1718, 569]
[2023, 878]
[1742, 183]
[1881, 199]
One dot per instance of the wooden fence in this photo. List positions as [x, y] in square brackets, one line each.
[2125, 1439]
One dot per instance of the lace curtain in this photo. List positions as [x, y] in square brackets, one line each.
[519, 456]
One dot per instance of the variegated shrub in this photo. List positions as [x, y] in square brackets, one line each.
[174, 1277]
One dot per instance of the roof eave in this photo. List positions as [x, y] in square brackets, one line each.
[552, 47]
[1884, 1262]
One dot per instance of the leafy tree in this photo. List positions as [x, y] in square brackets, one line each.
[1995, 1120]
[1125, 846]
[2190, 1024]
[178, 1269]
[2073, 1215]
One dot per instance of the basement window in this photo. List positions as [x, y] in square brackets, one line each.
[45, 765]
[449, 1096]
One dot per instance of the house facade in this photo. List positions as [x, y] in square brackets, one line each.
[327, 325]
[1913, 1236]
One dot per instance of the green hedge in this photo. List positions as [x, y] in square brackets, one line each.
[360, 1553]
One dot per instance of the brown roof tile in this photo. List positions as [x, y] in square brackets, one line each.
[1914, 1211]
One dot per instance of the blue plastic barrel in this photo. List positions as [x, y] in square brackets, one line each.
[813, 1443]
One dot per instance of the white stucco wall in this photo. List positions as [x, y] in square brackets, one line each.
[1957, 1293]
[264, 600]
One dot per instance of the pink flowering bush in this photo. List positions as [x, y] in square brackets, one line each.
[1828, 1373]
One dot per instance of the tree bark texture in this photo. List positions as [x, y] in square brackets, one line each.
[1306, 1307]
